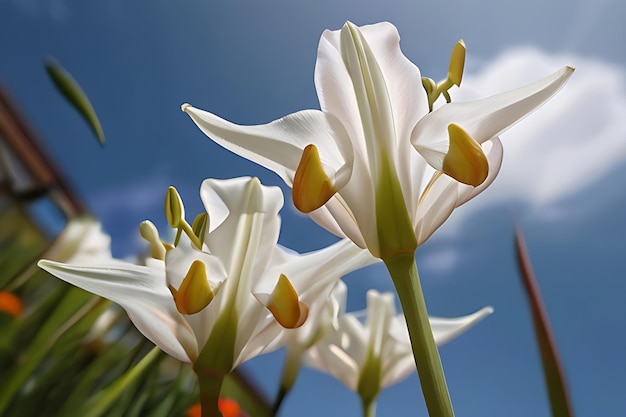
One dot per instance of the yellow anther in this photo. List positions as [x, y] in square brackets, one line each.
[149, 232]
[284, 305]
[465, 161]
[195, 292]
[457, 63]
[174, 209]
[311, 186]
[10, 304]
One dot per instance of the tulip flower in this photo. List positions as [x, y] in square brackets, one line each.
[380, 164]
[225, 290]
[370, 356]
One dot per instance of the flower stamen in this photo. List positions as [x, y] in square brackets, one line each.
[284, 304]
[195, 292]
[465, 161]
[311, 186]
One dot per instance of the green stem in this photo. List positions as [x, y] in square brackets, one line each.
[403, 272]
[210, 387]
[369, 407]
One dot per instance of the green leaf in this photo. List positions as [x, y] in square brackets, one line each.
[553, 371]
[71, 90]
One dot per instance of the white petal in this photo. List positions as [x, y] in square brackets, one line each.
[482, 119]
[315, 274]
[142, 292]
[241, 198]
[402, 79]
[445, 330]
[436, 206]
[445, 194]
[179, 260]
[278, 145]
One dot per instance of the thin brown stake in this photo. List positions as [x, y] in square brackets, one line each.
[553, 370]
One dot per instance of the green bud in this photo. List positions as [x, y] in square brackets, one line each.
[174, 209]
[199, 225]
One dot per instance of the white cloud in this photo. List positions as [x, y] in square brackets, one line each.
[565, 152]
[567, 147]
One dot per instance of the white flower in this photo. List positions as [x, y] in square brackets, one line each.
[370, 165]
[200, 301]
[81, 241]
[370, 356]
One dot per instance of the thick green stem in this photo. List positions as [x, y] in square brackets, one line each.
[406, 280]
[369, 407]
[210, 387]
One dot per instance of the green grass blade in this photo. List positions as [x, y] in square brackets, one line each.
[71, 90]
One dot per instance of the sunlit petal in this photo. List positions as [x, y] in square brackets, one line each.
[482, 119]
[278, 145]
[142, 292]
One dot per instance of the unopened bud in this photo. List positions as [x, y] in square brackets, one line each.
[174, 209]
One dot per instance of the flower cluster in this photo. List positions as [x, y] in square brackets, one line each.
[381, 165]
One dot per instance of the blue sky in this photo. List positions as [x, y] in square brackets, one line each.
[252, 62]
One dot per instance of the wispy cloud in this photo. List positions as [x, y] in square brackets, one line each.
[570, 144]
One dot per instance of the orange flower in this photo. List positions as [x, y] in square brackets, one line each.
[228, 408]
[10, 304]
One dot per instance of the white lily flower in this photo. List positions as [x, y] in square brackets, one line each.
[81, 241]
[224, 292]
[370, 356]
[370, 165]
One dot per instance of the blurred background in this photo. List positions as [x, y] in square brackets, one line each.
[251, 62]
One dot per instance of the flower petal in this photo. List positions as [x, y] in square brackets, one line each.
[445, 329]
[278, 145]
[401, 76]
[482, 119]
[142, 292]
[403, 86]
[443, 194]
[244, 199]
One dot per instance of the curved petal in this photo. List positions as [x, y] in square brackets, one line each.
[444, 194]
[436, 205]
[179, 260]
[278, 145]
[402, 78]
[142, 292]
[241, 197]
[445, 330]
[494, 152]
[482, 119]
[314, 274]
